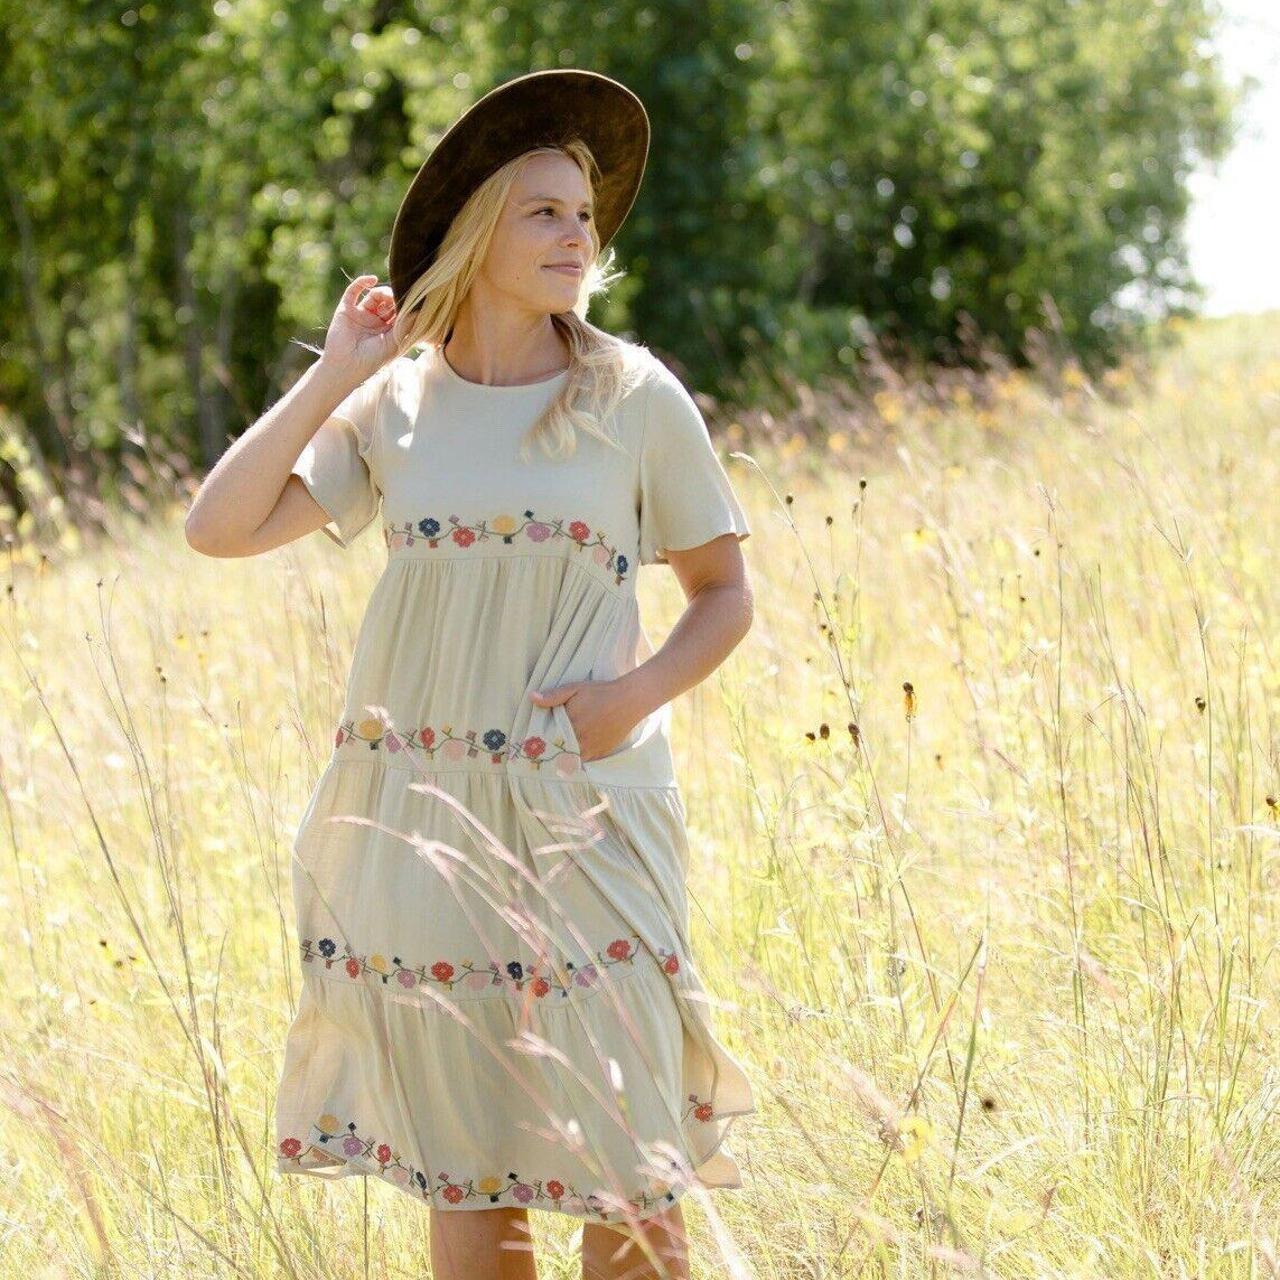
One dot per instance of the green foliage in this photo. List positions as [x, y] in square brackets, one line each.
[187, 187]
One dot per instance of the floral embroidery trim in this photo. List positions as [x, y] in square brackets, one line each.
[508, 528]
[468, 744]
[491, 1188]
[541, 979]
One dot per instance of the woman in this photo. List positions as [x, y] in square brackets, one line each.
[499, 1009]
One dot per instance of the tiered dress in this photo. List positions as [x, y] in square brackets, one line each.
[499, 1005]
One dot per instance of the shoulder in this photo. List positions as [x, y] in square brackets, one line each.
[653, 391]
[671, 415]
[395, 385]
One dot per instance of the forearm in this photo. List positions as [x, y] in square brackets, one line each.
[240, 491]
[711, 627]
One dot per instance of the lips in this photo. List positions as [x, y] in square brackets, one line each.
[565, 268]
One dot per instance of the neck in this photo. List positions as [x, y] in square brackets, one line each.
[507, 354]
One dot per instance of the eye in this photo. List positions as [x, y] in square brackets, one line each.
[546, 208]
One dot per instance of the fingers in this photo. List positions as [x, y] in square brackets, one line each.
[381, 302]
[352, 291]
[377, 309]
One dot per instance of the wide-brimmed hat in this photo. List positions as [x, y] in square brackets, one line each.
[539, 109]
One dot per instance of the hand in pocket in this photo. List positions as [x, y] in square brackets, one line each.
[600, 713]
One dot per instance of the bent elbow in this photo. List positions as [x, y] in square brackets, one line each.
[200, 539]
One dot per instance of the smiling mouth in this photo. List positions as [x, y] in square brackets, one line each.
[565, 270]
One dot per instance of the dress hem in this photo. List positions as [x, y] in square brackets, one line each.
[336, 1167]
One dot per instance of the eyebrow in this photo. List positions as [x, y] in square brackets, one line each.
[553, 200]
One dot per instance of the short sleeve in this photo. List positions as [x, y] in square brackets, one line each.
[336, 465]
[686, 498]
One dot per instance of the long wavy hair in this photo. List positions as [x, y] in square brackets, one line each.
[602, 368]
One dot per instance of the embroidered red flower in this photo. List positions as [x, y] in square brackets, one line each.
[384, 1154]
[464, 537]
[442, 971]
[578, 530]
[453, 1193]
[619, 949]
[703, 1111]
[353, 967]
[555, 1189]
[339, 738]
[426, 736]
[290, 1147]
[671, 964]
[541, 986]
[533, 747]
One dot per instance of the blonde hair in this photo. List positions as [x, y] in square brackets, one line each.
[602, 367]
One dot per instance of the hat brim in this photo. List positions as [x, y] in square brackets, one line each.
[538, 109]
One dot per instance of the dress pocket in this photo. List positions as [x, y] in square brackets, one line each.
[641, 759]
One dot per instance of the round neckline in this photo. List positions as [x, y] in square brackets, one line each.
[454, 376]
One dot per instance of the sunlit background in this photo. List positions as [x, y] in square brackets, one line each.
[1231, 232]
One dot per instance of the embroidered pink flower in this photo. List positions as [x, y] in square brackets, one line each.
[407, 979]
[352, 1146]
[506, 528]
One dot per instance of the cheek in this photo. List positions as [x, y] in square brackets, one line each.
[518, 253]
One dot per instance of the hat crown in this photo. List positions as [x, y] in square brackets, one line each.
[540, 108]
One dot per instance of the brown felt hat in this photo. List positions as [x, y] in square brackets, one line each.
[538, 109]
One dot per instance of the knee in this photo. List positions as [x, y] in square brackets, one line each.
[505, 1227]
[653, 1247]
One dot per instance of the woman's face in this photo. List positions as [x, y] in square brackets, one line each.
[546, 223]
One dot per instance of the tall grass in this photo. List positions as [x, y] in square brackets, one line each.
[984, 819]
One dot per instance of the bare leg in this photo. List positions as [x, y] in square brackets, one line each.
[610, 1253]
[481, 1244]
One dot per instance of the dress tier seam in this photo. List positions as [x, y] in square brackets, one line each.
[618, 592]
[641, 962]
[486, 772]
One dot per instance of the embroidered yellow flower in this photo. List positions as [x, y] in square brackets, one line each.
[504, 524]
[489, 1185]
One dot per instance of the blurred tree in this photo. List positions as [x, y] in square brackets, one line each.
[186, 187]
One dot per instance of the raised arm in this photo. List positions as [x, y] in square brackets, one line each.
[252, 500]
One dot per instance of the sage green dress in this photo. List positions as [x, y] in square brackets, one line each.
[499, 1006]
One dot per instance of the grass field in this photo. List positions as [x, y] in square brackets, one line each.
[984, 817]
